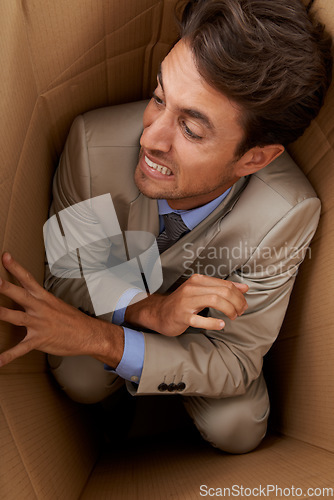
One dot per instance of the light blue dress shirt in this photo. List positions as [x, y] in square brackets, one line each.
[131, 364]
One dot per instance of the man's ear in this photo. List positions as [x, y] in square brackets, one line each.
[257, 158]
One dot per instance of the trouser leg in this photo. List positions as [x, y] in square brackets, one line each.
[235, 425]
[84, 378]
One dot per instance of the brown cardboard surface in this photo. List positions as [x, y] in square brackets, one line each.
[117, 15]
[14, 479]
[325, 228]
[27, 210]
[18, 97]
[320, 133]
[95, 56]
[59, 59]
[30, 192]
[167, 38]
[144, 26]
[174, 470]
[56, 443]
[324, 9]
[127, 66]
[301, 362]
[310, 305]
[59, 33]
[303, 390]
[82, 92]
[134, 58]
[315, 156]
[34, 362]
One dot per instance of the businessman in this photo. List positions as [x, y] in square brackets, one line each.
[232, 214]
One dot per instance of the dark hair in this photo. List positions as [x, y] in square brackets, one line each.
[268, 56]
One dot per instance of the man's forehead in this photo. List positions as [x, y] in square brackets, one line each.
[192, 112]
[187, 92]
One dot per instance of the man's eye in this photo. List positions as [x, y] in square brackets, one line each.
[157, 99]
[189, 132]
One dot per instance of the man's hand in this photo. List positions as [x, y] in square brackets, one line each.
[52, 325]
[172, 314]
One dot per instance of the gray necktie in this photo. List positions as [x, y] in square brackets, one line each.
[175, 228]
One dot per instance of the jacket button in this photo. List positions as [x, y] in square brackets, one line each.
[181, 386]
[162, 387]
[171, 387]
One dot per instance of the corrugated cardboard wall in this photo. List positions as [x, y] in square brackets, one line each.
[59, 59]
[301, 363]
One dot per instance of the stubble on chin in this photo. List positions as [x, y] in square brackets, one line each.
[145, 186]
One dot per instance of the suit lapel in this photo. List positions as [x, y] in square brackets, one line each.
[182, 254]
[144, 216]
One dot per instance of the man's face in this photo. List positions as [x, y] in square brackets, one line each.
[190, 136]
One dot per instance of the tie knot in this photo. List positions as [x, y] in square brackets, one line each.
[174, 229]
[174, 226]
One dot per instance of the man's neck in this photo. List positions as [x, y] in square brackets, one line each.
[196, 201]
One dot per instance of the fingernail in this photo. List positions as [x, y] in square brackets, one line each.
[6, 256]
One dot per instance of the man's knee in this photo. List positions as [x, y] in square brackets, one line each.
[235, 425]
[83, 378]
[239, 432]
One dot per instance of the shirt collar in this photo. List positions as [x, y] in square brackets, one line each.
[194, 216]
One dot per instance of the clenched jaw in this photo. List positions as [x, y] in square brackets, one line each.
[156, 166]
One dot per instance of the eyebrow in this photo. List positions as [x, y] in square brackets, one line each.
[192, 113]
[159, 77]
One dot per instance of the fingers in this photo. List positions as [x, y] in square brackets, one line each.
[232, 306]
[16, 293]
[227, 300]
[15, 352]
[202, 291]
[21, 274]
[206, 323]
[213, 281]
[241, 286]
[18, 318]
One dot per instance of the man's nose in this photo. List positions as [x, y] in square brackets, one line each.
[158, 133]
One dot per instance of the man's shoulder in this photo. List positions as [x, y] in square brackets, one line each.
[279, 192]
[101, 152]
[118, 126]
[283, 179]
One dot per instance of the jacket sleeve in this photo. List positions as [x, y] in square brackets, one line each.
[87, 262]
[71, 185]
[222, 364]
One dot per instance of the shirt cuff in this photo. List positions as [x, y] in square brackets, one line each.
[122, 304]
[131, 364]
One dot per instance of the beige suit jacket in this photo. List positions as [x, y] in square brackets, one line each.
[258, 235]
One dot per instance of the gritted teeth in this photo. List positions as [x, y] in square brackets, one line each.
[159, 168]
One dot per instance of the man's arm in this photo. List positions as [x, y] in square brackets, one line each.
[97, 144]
[213, 363]
[58, 328]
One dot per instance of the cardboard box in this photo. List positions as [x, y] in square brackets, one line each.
[59, 59]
